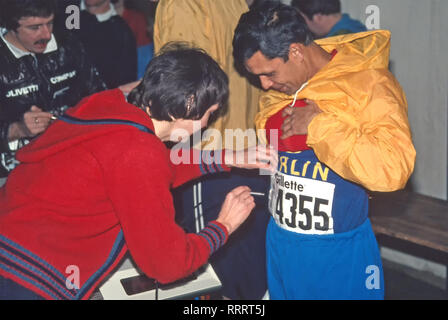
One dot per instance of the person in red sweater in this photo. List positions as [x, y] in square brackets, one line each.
[97, 184]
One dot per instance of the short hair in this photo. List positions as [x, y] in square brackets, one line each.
[271, 28]
[181, 83]
[312, 7]
[14, 10]
[259, 2]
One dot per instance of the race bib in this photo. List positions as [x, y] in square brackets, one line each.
[302, 205]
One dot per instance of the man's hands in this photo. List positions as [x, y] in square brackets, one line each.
[236, 208]
[298, 119]
[34, 122]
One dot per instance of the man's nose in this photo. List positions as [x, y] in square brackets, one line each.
[266, 83]
[46, 31]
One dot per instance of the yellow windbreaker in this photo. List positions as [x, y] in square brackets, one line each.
[363, 131]
[209, 25]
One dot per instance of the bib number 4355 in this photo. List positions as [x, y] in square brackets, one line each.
[307, 212]
[300, 205]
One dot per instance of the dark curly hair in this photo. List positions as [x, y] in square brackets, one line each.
[14, 10]
[312, 7]
[181, 83]
[270, 27]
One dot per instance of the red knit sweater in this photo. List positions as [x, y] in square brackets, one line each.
[84, 195]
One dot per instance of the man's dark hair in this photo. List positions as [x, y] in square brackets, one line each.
[260, 2]
[271, 28]
[11, 11]
[181, 83]
[312, 7]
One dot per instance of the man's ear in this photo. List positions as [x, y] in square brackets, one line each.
[148, 111]
[296, 52]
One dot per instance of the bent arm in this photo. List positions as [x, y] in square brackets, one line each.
[138, 185]
[369, 144]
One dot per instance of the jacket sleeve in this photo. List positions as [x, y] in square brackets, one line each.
[90, 77]
[185, 21]
[138, 184]
[366, 137]
[129, 57]
[4, 127]
[190, 164]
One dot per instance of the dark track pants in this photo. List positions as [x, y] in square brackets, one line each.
[241, 263]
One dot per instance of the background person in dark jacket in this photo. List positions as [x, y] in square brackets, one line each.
[142, 28]
[41, 73]
[108, 40]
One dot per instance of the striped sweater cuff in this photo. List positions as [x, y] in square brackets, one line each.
[215, 234]
[212, 161]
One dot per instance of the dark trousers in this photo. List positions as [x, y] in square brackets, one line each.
[9, 290]
[241, 262]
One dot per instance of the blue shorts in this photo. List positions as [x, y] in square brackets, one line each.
[341, 266]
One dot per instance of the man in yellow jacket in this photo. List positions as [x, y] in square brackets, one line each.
[209, 25]
[341, 119]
